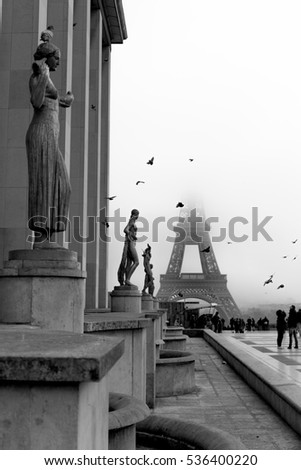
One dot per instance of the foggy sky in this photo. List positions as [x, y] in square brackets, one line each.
[218, 82]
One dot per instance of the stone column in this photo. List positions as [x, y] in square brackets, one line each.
[60, 14]
[126, 299]
[80, 129]
[104, 176]
[147, 302]
[95, 202]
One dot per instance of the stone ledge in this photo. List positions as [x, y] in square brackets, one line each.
[42, 272]
[152, 314]
[54, 262]
[50, 254]
[279, 391]
[170, 433]
[39, 355]
[113, 321]
[125, 410]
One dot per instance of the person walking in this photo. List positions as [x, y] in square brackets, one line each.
[292, 327]
[281, 327]
[216, 322]
[299, 322]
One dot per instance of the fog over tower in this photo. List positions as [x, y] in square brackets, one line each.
[209, 284]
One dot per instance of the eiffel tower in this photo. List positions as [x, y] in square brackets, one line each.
[209, 285]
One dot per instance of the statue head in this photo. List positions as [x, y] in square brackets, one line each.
[47, 34]
[147, 251]
[47, 50]
[134, 214]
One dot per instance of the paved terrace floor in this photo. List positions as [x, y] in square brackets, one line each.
[222, 399]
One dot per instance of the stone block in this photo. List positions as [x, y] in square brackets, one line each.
[5, 52]
[45, 289]
[7, 13]
[128, 376]
[18, 89]
[18, 122]
[53, 389]
[3, 127]
[15, 207]
[2, 193]
[16, 158]
[22, 57]
[22, 19]
[4, 86]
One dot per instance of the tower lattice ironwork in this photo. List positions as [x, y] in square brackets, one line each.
[209, 285]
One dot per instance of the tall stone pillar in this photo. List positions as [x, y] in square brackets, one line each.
[60, 15]
[95, 202]
[80, 130]
[104, 176]
[22, 22]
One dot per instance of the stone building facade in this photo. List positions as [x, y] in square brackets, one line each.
[85, 31]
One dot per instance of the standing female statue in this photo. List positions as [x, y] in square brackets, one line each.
[148, 278]
[49, 187]
[129, 260]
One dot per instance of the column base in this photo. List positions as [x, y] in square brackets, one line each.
[126, 299]
[147, 302]
[43, 287]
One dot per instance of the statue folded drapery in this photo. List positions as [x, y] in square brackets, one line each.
[49, 186]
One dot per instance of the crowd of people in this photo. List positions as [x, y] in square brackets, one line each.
[290, 323]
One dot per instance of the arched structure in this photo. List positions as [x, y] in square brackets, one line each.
[209, 285]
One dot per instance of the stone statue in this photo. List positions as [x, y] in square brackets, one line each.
[49, 186]
[149, 279]
[129, 260]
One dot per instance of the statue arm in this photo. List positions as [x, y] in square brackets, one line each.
[67, 100]
[37, 87]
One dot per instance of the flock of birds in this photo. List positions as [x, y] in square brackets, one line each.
[151, 162]
[207, 249]
[270, 279]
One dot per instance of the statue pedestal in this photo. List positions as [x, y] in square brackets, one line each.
[43, 287]
[147, 302]
[126, 299]
[54, 389]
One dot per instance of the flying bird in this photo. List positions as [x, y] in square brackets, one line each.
[294, 258]
[229, 243]
[268, 281]
[190, 159]
[284, 256]
[74, 24]
[180, 204]
[151, 161]
[140, 182]
[295, 240]
[281, 286]
[206, 250]
[110, 197]
[93, 106]
[104, 222]
[180, 294]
